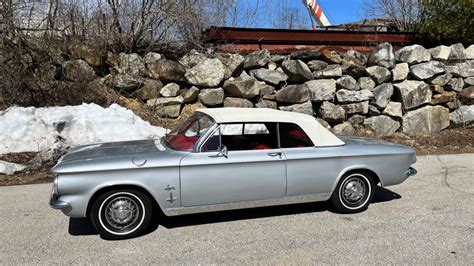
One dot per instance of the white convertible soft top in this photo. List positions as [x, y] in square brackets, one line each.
[320, 135]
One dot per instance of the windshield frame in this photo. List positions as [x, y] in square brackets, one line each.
[184, 126]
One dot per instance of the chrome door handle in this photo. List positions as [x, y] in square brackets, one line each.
[273, 154]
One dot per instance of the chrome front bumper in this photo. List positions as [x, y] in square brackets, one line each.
[58, 204]
[411, 171]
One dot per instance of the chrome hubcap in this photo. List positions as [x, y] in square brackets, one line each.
[354, 190]
[122, 212]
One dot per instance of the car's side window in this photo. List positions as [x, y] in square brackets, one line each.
[292, 136]
[243, 136]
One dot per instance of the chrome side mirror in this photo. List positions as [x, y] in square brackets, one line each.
[223, 151]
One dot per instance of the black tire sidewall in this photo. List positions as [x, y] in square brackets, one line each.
[343, 207]
[97, 214]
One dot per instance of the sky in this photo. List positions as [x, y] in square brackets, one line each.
[267, 11]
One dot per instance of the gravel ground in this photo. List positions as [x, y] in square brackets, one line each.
[428, 219]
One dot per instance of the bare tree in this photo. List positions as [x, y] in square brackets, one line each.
[406, 14]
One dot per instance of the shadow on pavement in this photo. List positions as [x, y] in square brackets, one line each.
[82, 226]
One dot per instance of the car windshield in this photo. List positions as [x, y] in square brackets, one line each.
[185, 135]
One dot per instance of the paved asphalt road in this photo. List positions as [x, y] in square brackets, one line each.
[427, 219]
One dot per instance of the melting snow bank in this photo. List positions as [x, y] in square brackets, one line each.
[10, 168]
[54, 128]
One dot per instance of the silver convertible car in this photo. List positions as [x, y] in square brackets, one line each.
[222, 159]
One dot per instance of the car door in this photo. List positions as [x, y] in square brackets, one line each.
[248, 172]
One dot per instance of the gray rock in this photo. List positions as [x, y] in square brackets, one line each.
[382, 56]
[151, 57]
[323, 123]
[455, 84]
[132, 64]
[445, 97]
[331, 112]
[440, 53]
[441, 80]
[149, 89]
[356, 119]
[458, 53]
[332, 71]
[317, 65]
[166, 107]
[348, 83]
[257, 59]
[305, 108]
[170, 90]
[366, 83]
[233, 63]
[78, 70]
[393, 109]
[469, 81]
[413, 93]
[347, 96]
[272, 66]
[427, 70]
[382, 125]
[294, 94]
[269, 76]
[208, 73]
[244, 86]
[379, 74]
[467, 96]
[464, 116]
[322, 89]
[470, 52]
[354, 70]
[166, 70]
[465, 70]
[400, 72]
[297, 70]
[45, 71]
[266, 104]
[413, 54]
[362, 58]
[332, 57]
[190, 95]
[454, 70]
[382, 95]
[356, 108]
[266, 90]
[211, 97]
[237, 102]
[344, 128]
[277, 58]
[192, 59]
[305, 55]
[373, 111]
[125, 82]
[426, 120]
[165, 101]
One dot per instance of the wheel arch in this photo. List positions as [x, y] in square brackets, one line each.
[358, 169]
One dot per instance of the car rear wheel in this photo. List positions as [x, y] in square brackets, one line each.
[353, 193]
[121, 214]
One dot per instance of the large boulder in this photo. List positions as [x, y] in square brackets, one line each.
[237, 102]
[347, 96]
[317, 65]
[297, 71]
[440, 53]
[150, 89]
[211, 97]
[469, 81]
[382, 95]
[382, 125]
[441, 80]
[208, 73]
[426, 120]
[455, 84]
[467, 96]
[151, 57]
[393, 109]
[332, 57]
[379, 74]
[360, 57]
[400, 72]
[244, 86]
[322, 89]
[413, 54]
[192, 59]
[470, 52]
[463, 116]
[331, 112]
[233, 63]
[413, 93]
[262, 103]
[345, 128]
[132, 64]
[458, 53]
[125, 82]
[305, 55]
[166, 70]
[166, 107]
[331, 71]
[366, 83]
[427, 70]
[294, 94]
[170, 90]
[190, 95]
[356, 108]
[273, 77]
[78, 70]
[305, 108]
[382, 56]
[347, 82]
[257, 59]
[444, 97]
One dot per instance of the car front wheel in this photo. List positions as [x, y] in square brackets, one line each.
[353, 193]
[121, 214]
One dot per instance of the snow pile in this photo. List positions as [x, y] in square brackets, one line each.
[42, 129]
[10, 168]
